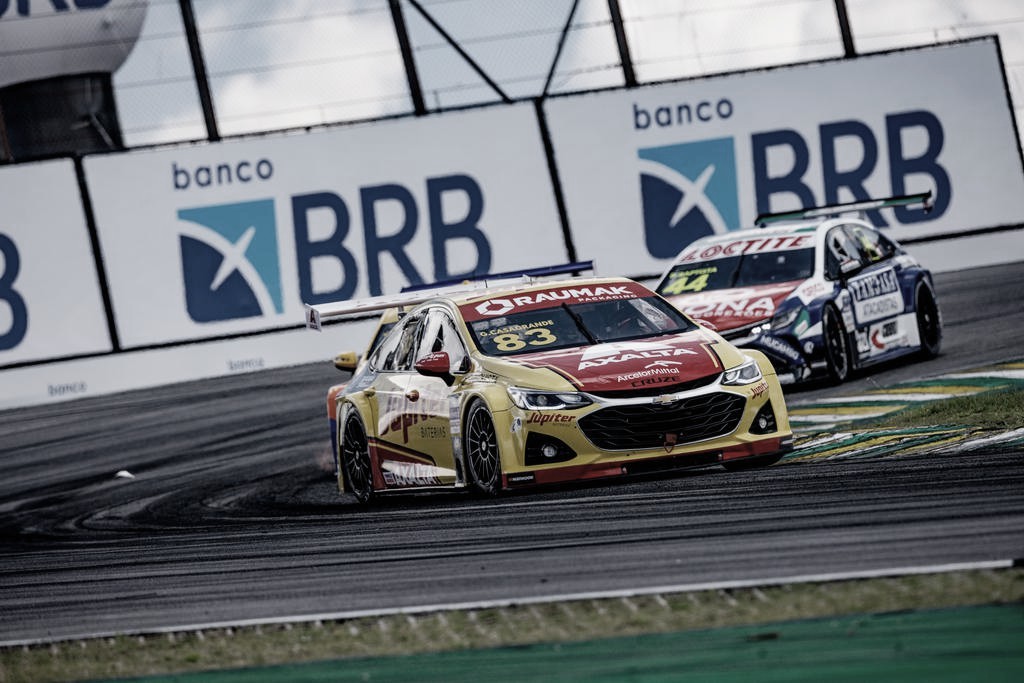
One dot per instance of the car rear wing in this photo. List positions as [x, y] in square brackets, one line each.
[316, 314]
[922, 198]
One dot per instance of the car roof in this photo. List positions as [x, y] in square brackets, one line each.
[456, 294]
[796, 228]
[469, 297]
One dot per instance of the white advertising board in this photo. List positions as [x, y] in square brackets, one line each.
[647, 171]
[113, 372]
[50, 301]
[234, 237]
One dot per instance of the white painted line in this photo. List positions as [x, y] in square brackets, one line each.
[839, 436]
[996, 438]
[991, 374]
[865, 398]
[837, 417]
[544, 599]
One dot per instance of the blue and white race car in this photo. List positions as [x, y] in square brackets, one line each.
[820, 291]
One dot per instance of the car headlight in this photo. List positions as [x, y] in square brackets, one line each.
[784, 319]
[748, 373]
[533, 399]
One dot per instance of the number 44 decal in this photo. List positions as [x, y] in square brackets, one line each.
[692, 281]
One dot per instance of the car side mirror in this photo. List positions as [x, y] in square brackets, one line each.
[346, 361]
[436, 364]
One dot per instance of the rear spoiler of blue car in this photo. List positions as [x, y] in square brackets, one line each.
[316, 314]
[923, 198]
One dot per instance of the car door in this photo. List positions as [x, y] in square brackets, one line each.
[430, 399]
[399, 463]
[875, 291]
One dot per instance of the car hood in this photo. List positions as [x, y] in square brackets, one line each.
[654, 363]
[728, 309]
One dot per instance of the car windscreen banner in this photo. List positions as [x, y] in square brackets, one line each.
[50, 301]
[227, 238]
[646, 171]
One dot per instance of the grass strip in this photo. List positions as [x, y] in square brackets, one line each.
[996, 409]
[455, 631]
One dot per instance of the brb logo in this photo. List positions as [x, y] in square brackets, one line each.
[10, 264]
[229, 260]
[688, 191]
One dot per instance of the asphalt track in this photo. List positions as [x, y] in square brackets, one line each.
[230, 514]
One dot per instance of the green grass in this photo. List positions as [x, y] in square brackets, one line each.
[997, 409]
[509, 626]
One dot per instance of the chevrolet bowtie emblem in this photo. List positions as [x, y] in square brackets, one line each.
[665, 399]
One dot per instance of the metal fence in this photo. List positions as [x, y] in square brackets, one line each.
[208, 69]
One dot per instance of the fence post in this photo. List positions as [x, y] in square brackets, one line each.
[844, 29]
[620, 39]
[199, 69]
[411, 75]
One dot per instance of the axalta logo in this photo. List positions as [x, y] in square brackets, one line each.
[688, 191]
[495, 307]
[229, 261]
[621, 352]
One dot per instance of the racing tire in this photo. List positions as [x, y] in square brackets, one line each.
[929, 321]
[756, 462]
[483, 461]
[838, 351]
[355, 460]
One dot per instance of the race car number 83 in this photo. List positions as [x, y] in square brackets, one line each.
[513, 341]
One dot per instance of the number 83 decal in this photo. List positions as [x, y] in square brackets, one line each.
[513, 341]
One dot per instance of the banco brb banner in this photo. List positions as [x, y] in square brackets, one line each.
[235, 237]
[647, 171]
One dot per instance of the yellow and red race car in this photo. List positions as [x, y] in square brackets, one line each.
[546, 382]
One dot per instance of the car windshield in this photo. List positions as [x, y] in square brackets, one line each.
[744, 270]
[578, 324]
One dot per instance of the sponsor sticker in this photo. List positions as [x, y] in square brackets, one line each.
[552, 418]
[400, 474]
[759, 389]
[876, 296]
[519, 478]
[708, 252]
[779, 347]
[622, 352]
[499, 306]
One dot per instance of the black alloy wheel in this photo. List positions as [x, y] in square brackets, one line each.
[482, 460]
[838, 354]
[355, 459]
[929, 322]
